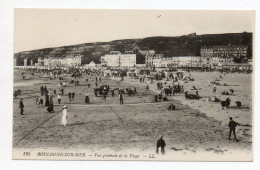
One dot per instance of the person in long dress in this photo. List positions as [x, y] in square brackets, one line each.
[50, 108]
[47, 103]
[64, 116]
[86, 97]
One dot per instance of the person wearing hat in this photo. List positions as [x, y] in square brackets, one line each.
[64, 116]
[160, 143]
[21, 106]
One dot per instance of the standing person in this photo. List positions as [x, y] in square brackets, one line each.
[21, 106]
[214, 89]
[147, 87]
[156, 98]
[112, 93]
[59, 98]
[86, 97]
[135, 89]
[69, 94]
[37, 101]
[41, 101]
[41, 89]
[45, 90]
[62, 91]
[121, 98]
[232, 128]
[50, 108]
[160, 97]
[47, 103]
[64, 120]
[72, 95]
[96, 79]
[160, 143]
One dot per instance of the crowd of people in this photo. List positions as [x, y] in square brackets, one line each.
[46, 97]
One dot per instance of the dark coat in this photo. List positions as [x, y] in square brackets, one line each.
[161, 143]
[21, 104]
[232, 124]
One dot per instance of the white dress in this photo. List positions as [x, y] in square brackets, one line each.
[64, 117]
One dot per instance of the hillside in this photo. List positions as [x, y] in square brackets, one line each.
[169, 46]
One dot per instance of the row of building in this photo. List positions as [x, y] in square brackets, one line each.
[69, 60]
[209, 56]
[227, 51]
[158, 60]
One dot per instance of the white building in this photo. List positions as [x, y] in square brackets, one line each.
[189, 61]
[118, 59]
[70, 61]
[157, 60]
[170, 62]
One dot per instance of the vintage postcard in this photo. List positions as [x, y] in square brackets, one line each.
[153, 85]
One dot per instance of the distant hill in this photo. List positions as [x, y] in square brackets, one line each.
[169, 46]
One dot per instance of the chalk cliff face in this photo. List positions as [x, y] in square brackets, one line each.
[169, 46]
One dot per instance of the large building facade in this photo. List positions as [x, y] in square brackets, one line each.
[118, 59]
[224, 54]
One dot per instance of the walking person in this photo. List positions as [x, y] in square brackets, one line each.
[160, 144]
[64, 120]
[232, 128]
[21, 106]
[86, 97]
[121, 98]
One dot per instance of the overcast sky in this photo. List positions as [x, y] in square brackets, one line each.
[42, 28]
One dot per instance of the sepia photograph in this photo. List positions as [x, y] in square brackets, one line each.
[133, 85]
